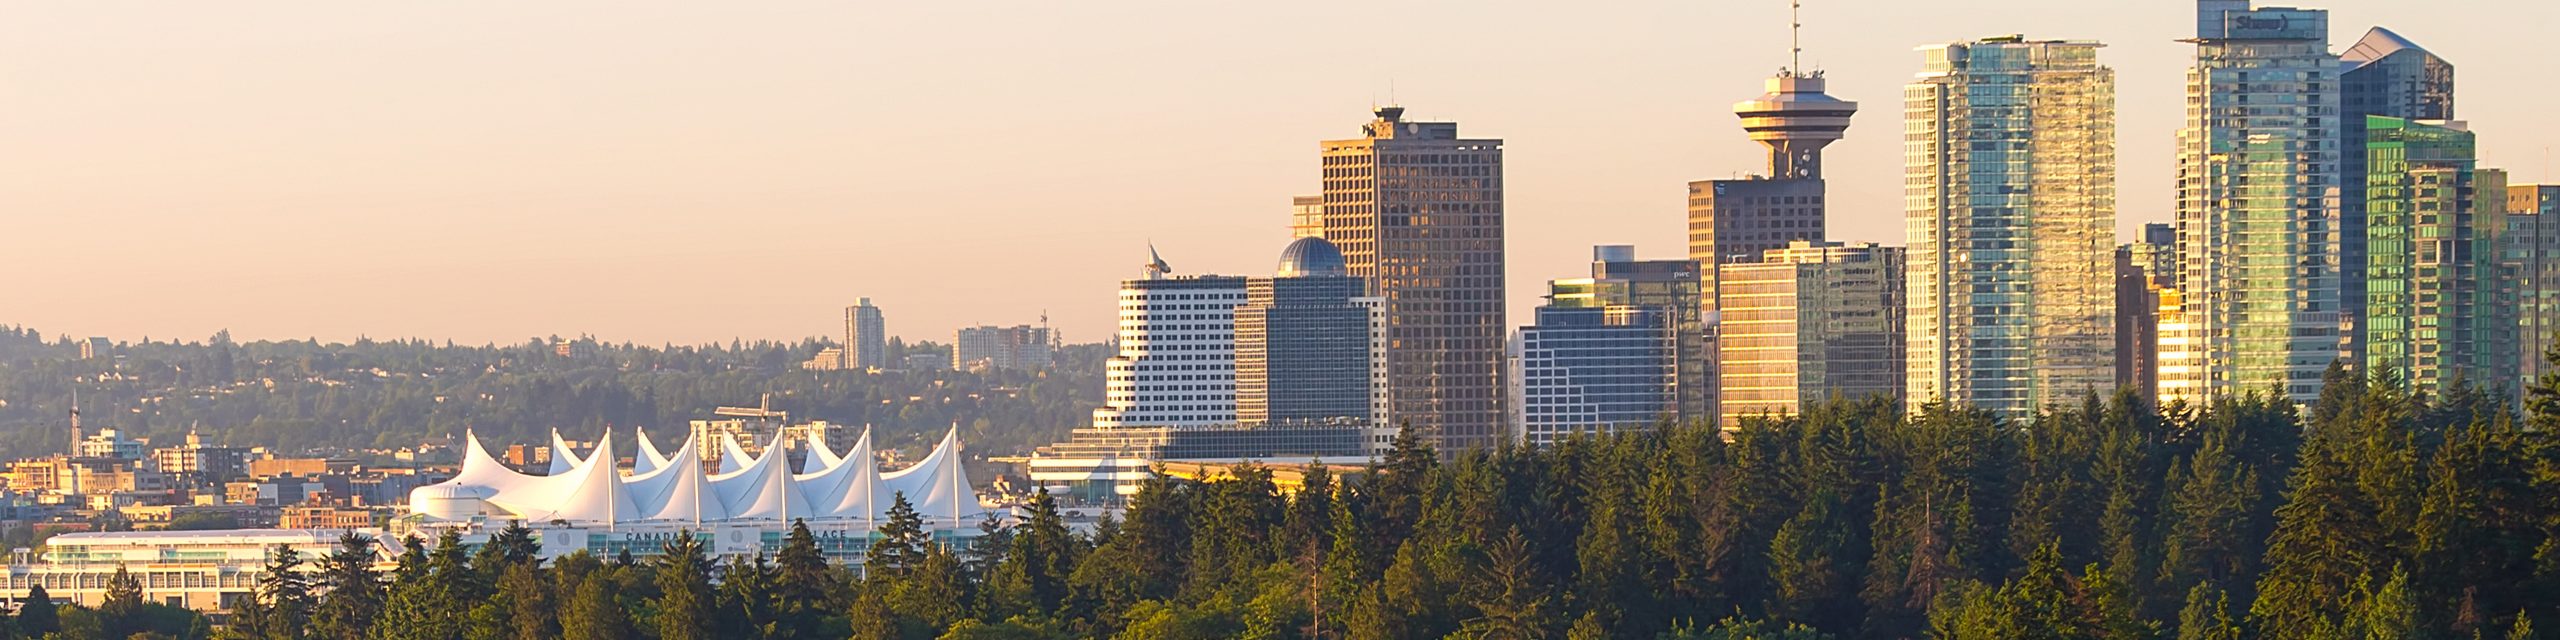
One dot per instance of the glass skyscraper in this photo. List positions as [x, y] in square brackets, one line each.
[2258, 189]
[2437, 309]
[1303, 342]
[2010, 195]
[2533, 260]
[2386, 75]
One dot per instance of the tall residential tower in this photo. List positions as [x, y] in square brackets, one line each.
[2009, 182]
[2258, 189]
[866, 339]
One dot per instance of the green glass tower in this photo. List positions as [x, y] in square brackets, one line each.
[2438, 309]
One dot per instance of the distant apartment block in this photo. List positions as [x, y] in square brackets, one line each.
[866, 337]
[993, 348]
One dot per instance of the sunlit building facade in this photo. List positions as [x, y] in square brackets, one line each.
[1417, 211]
[1810, 321]
[2010, 196]
[2533, 261]
[2438, 309]
[2385, 75]
[1619, 279]
[2258, 188]
[1596, 370]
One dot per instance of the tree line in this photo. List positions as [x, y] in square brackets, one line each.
[394, 393]
[2372, 513]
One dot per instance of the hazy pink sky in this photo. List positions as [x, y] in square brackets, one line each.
[697, 171]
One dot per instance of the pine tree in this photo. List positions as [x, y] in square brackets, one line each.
[532, 613]
[281, 607]
[36, 616]
[1033, 576]
[2327, 537]
[431, 600]
[351, 594]
[1510, 595]
[685, 600]
[807, 586]
[2208, 616]
[899, 543]
[746, 599]
[1810, 566]
[594, 614]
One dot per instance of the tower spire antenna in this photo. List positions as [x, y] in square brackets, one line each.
[1795, 36]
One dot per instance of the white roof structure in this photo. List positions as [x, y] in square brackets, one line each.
[663, 488]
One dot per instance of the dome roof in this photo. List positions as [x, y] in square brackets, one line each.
[1312, 257]
[449, 491]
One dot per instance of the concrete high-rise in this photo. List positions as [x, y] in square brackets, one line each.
[1177, 361]
[1619, 279]
[2385, 75]
[1417, 211]
[866, 338]
[2258, 188]
[2010, 193]
[2438, 310]
[1810, 321]
[992, 348]
[2533, 257]
[1304, 343]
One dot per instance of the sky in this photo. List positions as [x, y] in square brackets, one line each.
[688, 172]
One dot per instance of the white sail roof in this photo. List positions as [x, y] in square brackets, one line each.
[733, 457]
[661, 488]
[649, 458]
[562, 458]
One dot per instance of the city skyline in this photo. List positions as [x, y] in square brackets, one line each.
[516, 187]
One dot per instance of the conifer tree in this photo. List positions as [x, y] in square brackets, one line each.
[685, 602]
[36, 615]
[746, 599]
[2208, 616]
[594, 614]
[806, 585]
[531, 611]
[899, 542]
[351, 593]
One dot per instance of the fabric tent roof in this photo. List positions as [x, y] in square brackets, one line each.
[664, 488]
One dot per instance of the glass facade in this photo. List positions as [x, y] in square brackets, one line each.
[1619, 279]
[2437, 310]
[2386, 75]
[2533, 264]
[1810, 320]
[2258, 188]
[1302, 351]
[1596, 370]
[2010, 196]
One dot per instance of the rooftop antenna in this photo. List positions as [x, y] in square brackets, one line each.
[1795, 35]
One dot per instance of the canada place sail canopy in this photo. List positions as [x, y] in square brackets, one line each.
[675, 488]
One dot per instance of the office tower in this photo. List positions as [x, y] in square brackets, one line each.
[1417, 211]
[866, 340]
[2386, 75]
[1306, 217]
[2533, 262]
[2141, 277]
[1596, 369]
[1303, 341]
[1739, 219]
[2258, 189]
[2437, 310]
[994, 348]
[2010, 195]
[1810, 321]
[1619, 279]
[1177, 360]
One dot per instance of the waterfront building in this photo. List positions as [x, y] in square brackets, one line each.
[2385, 75]
[993, 348]
[1810, 321]
[2438, 308]
[201, 570]
[866, 337]
[1417, 211]
[1739, 219]
[1177, 361]
[2010, 195]
[2258, 189]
